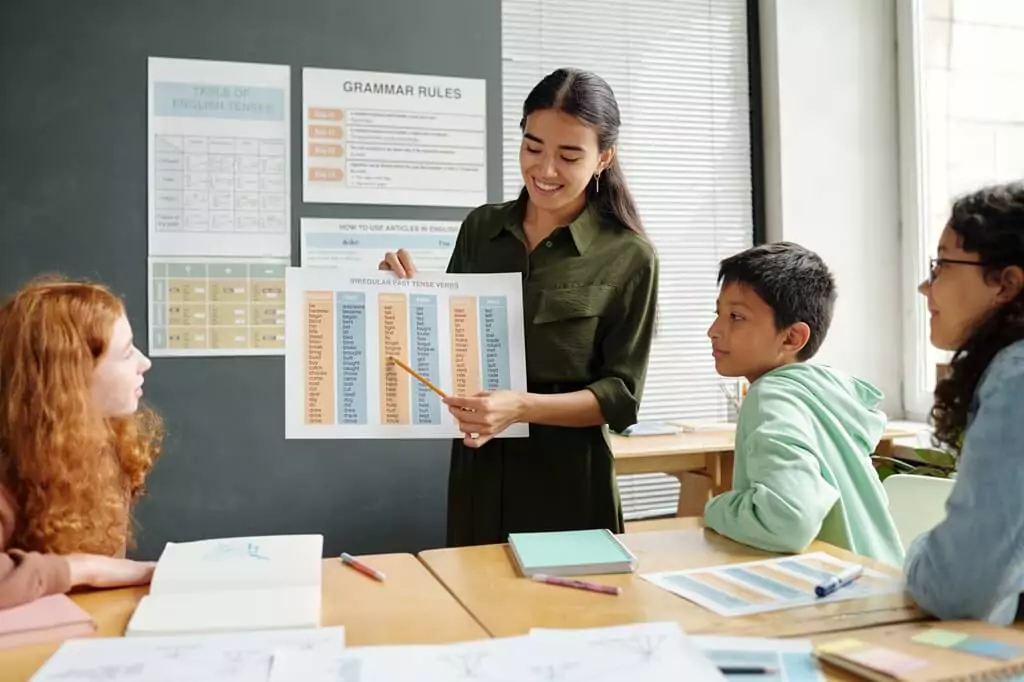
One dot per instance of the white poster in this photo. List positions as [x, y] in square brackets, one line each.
[219, 159]
[334, 242]
[389, 138]
[462, 333]
[216, 306]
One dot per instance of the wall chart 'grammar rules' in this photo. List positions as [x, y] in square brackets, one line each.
[389, 138]
[464, 333]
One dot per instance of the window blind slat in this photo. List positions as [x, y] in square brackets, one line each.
[679, 72]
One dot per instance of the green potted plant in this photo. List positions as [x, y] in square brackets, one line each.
[924, 462]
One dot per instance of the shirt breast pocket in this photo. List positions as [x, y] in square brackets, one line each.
[563, 335]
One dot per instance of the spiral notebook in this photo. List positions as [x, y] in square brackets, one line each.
[949, 651]
[578, 552]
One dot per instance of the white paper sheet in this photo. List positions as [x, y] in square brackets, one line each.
[390, 138]
[791, 660]
[657, 651]
[771, 584]
[233, 584]
[207, 658]
[219, 159]
[333, 242]
[462, 332]
[627, 653]
[243, 563]
[216, 306]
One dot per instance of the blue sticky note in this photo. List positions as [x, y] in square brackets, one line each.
[989, 648]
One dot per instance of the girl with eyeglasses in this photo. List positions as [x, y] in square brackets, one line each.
[972, 564]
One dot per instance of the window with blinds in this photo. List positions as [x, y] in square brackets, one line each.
[679, 71]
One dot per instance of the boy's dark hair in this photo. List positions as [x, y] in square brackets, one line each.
[794, 282]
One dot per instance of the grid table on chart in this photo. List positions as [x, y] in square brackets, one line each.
[218, 306]
[219, 184]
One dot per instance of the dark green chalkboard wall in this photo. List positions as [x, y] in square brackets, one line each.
[73, 200]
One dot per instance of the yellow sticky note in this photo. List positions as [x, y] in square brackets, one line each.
[838, 646]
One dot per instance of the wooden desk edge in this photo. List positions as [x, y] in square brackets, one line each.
[442, 583]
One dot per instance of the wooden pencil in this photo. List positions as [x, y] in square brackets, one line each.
[419, 377]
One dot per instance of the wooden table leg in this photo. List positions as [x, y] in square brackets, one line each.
[694, 493]
[721, 465]
[697, 487]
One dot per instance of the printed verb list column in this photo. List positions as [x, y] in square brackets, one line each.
[494, 332]
[465, 346]
[351, 346]
[394, 343]
[319, 307]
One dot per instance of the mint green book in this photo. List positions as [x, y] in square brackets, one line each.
[577, 552]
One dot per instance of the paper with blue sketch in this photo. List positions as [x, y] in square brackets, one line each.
[649, 652]
[771, 584]
[246, 583]
[351, 243]
[235, 657]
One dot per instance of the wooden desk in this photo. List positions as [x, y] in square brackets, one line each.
[410, 607]
[702, 461]
[485, 581]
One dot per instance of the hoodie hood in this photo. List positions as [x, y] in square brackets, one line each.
[842, 402]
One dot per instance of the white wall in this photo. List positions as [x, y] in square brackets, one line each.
[832, 167]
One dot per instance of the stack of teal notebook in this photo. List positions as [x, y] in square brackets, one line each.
[578, 552]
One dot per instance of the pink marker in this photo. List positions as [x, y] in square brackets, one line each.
[578, 584]
[350, 560]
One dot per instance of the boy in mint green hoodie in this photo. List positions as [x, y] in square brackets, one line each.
[805, 432]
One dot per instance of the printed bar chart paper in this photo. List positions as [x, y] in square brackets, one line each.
[334, 242]
[219, 159]
[390, 138]
[464, 333]
[216, 306]
[771, 584]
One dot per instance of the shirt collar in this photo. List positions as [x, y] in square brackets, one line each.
[583, 229]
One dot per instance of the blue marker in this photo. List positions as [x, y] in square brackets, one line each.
[841, 580]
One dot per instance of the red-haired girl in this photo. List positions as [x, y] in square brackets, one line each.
[75, 447]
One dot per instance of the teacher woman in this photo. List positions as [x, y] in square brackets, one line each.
[590, 282]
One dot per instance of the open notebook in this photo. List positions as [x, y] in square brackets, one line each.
[928, 652]
[48, 619]
[233, 584]
[578, 552]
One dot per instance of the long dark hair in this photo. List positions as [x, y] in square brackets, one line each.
[589, 98]
[990, 223]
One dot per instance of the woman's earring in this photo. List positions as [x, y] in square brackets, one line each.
[597, 182]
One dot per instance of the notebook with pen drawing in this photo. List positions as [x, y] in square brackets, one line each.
[233, 584]
[948, 651]
[564, 553]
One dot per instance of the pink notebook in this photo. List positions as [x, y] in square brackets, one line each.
[52, 618]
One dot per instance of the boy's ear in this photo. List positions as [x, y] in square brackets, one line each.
[797, 336]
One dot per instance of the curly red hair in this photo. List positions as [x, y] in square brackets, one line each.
[73, 473]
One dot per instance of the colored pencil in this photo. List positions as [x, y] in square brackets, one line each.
[419, 377]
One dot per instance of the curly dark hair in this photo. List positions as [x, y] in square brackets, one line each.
[990, 223]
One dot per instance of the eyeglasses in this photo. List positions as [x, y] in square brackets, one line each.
[935, 265]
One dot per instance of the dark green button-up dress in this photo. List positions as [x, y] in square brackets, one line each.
[589, 294]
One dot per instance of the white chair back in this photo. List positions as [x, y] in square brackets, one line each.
[917, 503]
